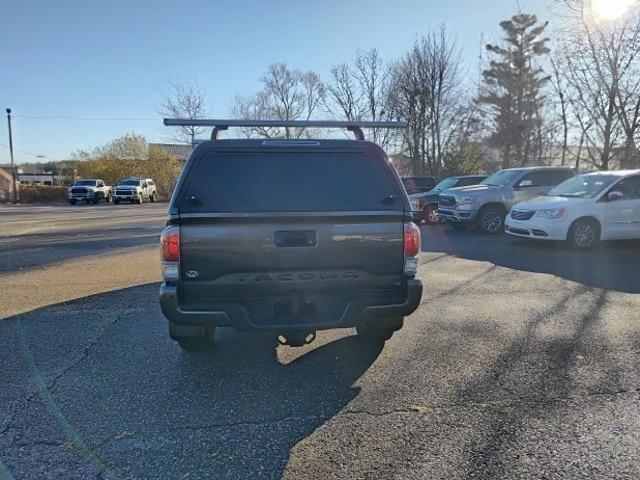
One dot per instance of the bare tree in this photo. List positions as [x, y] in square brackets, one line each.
[374, 79]
[185, 100]
[628, 101]
[426, 92]
[285, 95]
[344, 97]
[603, 70]
[602, 61]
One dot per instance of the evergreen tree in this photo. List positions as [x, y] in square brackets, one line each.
[513, 90]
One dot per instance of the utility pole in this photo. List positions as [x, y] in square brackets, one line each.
[13, 168]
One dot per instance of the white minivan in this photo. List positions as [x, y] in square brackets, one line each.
[582, 210]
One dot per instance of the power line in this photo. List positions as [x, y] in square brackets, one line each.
[21, 151]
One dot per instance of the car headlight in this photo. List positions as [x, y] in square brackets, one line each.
[468, 200]
[551, 213]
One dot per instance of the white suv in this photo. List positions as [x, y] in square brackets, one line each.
[582, 210]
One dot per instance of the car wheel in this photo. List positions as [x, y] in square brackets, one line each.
[140, 200]
[152, 198]
[491, 219]
[584, 234]
[378, 332]
[198, 343]
[73, 201]
[108, 198]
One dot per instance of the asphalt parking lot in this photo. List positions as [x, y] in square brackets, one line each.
[522, 362]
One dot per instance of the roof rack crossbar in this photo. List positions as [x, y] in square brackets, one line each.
[220, 125]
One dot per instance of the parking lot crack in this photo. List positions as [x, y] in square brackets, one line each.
[87, 349]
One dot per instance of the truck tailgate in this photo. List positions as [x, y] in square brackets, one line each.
[293, 255]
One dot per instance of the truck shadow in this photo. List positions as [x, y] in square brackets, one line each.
[128, 402]
[610, 265]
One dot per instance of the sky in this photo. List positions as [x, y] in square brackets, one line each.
[80, 73]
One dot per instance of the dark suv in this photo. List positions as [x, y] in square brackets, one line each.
[290, 237]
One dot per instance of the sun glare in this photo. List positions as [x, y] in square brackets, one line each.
[608, 10]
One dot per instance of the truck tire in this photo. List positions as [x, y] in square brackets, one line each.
[153, 198]
[490, 219]
[140, 199]
[72, 201]
[373, 332]
[96, 200]
[198, 343]
[430, 215]
[116, 201]
[108, 198]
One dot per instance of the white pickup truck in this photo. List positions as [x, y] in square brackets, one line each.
[89, 190]
[134, 190]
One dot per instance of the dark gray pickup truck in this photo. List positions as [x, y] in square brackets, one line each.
[290, 237]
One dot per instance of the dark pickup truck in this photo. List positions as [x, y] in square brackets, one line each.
[289, 237]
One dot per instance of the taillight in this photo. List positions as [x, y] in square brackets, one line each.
[170, 244]
[411, 239]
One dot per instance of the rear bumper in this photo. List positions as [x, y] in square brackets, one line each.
[236, 316]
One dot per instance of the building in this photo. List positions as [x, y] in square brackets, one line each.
[6, 186]
[45, 178]
[180, 151]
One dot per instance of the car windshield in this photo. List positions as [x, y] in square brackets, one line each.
[85, 183]
[445, 184]
[501, 178]
[129, 183]
[583, 186]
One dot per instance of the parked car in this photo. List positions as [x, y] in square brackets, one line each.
[89, 190]
[425, 205]
[418, 184]
[486, 205]
[583, 210]
[288, 237]
[135, 190]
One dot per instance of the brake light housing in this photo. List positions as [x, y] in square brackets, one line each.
[170, 252]
[411, 239]
[412, 242]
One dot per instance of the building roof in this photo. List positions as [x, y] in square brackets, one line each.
[179, 150]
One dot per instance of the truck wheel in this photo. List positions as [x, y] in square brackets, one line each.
[198, 343]
[96, 200]
[430, 215]
[378, 332]
[140, 199]
[583, 234]
[491, 219]
[108, 198]
[72, 201]
[116, 201]
[153, 198]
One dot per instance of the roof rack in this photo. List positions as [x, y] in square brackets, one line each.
[220, 125]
